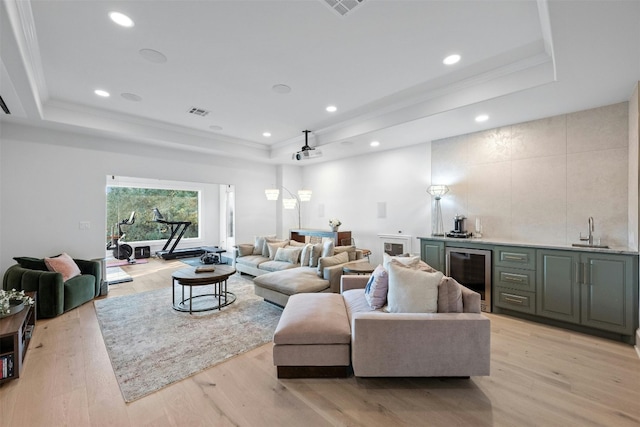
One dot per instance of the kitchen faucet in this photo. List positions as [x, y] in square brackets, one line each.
[591, 229]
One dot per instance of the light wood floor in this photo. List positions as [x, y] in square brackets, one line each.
[540, 376]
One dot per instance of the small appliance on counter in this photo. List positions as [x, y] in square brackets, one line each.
[458, 228]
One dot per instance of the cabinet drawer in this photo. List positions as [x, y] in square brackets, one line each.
[524, 280]
[516, 300]
[524, 258]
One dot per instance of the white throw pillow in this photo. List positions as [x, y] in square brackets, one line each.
[412, 291]
[305, 256]
[290, 254]
[327, 248]
[410, 261]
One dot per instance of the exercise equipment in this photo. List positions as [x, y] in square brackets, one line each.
[178, 228]
[119, 249]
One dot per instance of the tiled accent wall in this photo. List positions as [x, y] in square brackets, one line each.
[539, 182]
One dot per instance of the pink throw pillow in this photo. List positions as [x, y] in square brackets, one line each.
[377, 287]
[64, 265]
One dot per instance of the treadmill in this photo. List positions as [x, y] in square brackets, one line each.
[178, 229]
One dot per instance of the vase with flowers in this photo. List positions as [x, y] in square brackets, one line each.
[334, 223]
[12, 302]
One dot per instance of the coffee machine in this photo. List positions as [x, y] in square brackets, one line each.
[458, 228]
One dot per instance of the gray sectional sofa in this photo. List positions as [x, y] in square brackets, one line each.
[286, 267]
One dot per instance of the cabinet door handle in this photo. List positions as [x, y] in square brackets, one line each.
[513, 278]
[514, 257]
[585, 273]
[578, 281]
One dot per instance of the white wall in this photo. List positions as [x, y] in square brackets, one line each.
[350, 190]
[52, 180]
[539, 182]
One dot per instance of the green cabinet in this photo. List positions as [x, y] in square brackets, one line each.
[514, 278]
[432, 252]
[588, 288]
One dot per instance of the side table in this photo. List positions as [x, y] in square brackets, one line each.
[358, 268]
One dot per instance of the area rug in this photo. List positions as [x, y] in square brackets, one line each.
[151, 345]
[117, 275]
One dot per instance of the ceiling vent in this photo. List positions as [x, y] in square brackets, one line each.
[198, 111]
[342, 7]
[4, 106]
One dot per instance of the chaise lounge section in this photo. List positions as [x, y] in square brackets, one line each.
[382, 344]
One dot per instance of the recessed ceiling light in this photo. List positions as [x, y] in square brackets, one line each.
[280, 88]
[102, 93]
[121, 19]
[131, 97]
[332, 108]
[375, 143]
[153, 56]
[482, 118]
[215, 127]
[451, 59]
[266, 134]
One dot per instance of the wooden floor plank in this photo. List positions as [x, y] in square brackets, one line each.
[540, 375]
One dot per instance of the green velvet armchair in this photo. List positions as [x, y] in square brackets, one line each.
[54, 295]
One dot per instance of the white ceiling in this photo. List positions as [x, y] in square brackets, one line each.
[380, 65]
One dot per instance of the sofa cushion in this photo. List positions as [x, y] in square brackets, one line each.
[259, 244]
[449, 296]
[412, 291]
[251, 260]
[273, 247]
[316, 253]
[245, 249]
[277, 265]
[376, 290]
[288, 254]
[293, 281]
[351, 250]
[327, 248]
[31, 263]
[305, 255]
[355, 302]
[410, 261]
[331, 261]
[64, 265]
[296, 243]
[313, 319]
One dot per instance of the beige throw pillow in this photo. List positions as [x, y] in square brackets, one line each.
[412, 291]
[331, 261]
[315, 255]
[245, 249]
[64, 265]
[351, 250]
[273, 247]
[267, 241]
[290, 254]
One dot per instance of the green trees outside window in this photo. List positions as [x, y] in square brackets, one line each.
[175, 205]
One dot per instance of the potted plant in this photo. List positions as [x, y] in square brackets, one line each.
[12, 302]
[334, 223]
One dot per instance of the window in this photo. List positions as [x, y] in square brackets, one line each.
[174, 204]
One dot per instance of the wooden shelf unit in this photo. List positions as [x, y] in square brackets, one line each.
[15, 336]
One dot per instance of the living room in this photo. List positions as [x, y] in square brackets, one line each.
[53, 177]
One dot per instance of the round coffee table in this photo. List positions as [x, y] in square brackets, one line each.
[358, 268]
[187, 277]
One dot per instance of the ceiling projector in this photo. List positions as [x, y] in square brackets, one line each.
[306, 152]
